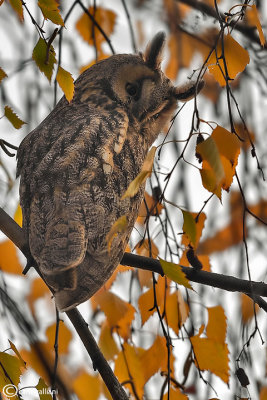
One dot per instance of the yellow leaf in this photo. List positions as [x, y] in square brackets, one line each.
[44, 60]
[66, 83]
[18, 216]
[175, 273]
[87, 386]
[13, 118]
[43, 390]
[13, 347]
[9, 261]
[253, 18]
[189, 227]
[10, 370]
[119, 226]
[17, 7]
[64, 337]
[145, 172]
[89, 32]
[50, 11]
[236, 58]
[2, 74]
[119, 313]
[199, 224]
[209, 152]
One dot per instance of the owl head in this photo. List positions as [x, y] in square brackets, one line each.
[137, 84]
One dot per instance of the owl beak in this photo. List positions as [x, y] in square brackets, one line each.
[188, 91]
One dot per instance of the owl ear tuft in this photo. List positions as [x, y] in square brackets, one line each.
[153, 53]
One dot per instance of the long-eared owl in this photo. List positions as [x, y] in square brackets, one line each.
[76, 165]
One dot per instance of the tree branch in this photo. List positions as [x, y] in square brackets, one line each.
[242, 27]
[14, 232]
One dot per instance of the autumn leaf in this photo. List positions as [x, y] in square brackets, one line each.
[13, 118]
[106, 341]
[119, 226]
[38, 289]
[10, 370]
[175, 273]
[236, 58]
[189, 227]
[119, 313]
[219, 154]
[147, 248]
[150, 206]
[89, 32]
[145, 172]
[43, 390]
[13, 347]
[64, 337]
[247, 308]
[9, 261]
[211, 353]
[2, 74]
[50, 11]
[18, 216]
[85, 384]
[66, 83]
[45, 60]
[175, 394]
[17, 7]
[254, 20]
[176, 310]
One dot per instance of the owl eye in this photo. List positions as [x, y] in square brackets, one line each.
[132, 89]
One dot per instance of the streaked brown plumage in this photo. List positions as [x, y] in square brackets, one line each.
[78, 162]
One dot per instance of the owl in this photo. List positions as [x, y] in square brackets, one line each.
[77, 164]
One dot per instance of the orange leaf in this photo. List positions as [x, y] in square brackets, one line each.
[147, 248]
[86, 385]
[134, 368]
[176, 310]
[253, 19]
[106, 342]
[146, 300]
[119, 313]
[212, 352]
[149, 206]
[9, 261]
[236, 58]
[64, 337]
[38, 289]
[220, 155]
[89, 32]
[13, 118]
[18, 216]
[247, 308]
[144, 278]
[158, 351]
[65, 81]
[175, 394]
